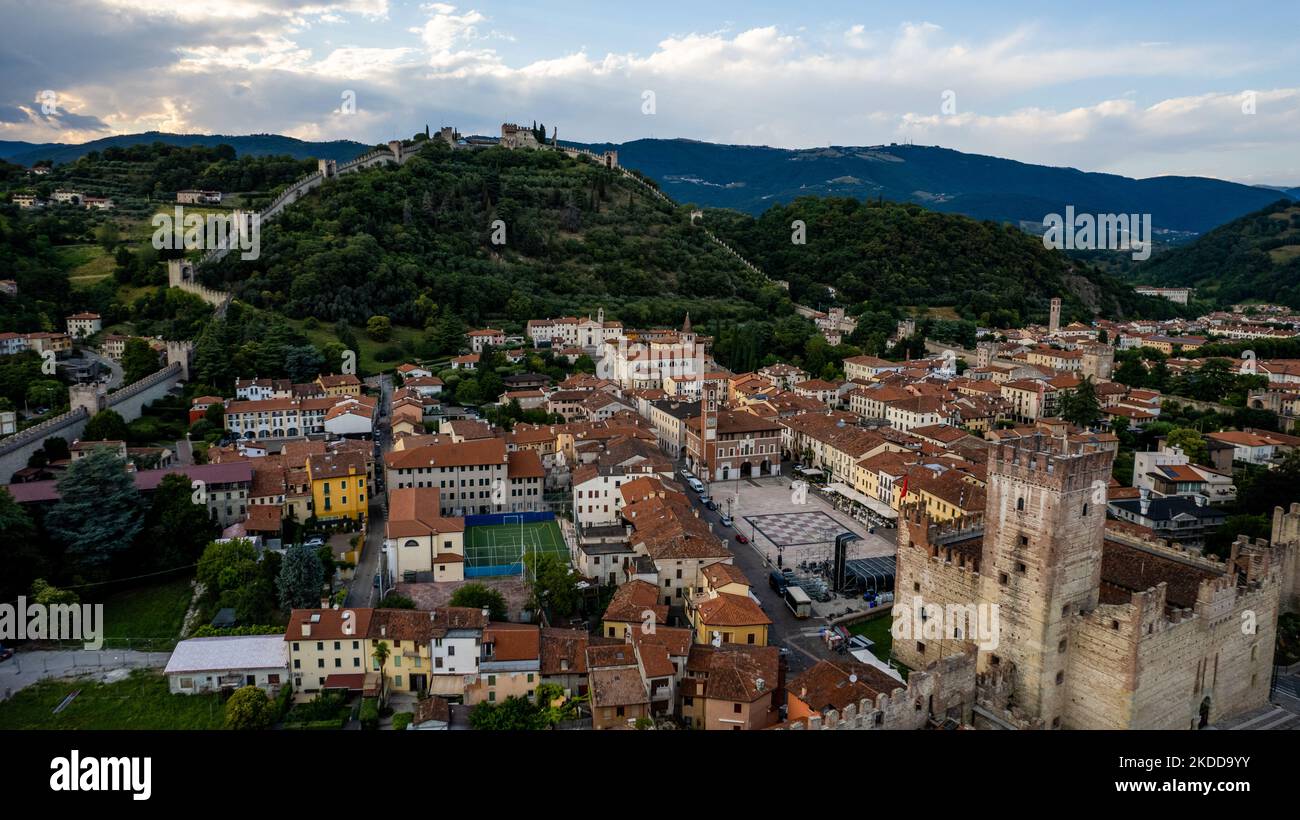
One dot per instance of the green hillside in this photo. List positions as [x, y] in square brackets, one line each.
[882, 254]
[1255, 257]
[402, 242]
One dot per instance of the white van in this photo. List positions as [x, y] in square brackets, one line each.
[695, 485]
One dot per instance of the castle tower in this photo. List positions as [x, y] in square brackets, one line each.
[89, 397]
[1054, 323]
[1041, 558]
[1286, 544]
[600, 315]
[180, 352]
[179, 272]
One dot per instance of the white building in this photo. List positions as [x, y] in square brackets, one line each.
[232, 662]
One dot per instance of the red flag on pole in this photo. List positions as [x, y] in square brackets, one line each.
[904, 493]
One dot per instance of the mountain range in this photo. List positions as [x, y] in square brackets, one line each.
[752, 178]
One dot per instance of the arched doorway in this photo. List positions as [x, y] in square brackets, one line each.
[746, 470]
[765, 468]
[1205, 713]
[726, 472]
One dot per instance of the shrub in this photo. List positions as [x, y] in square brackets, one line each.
[249, 708]
[370, 713]
[402, 719]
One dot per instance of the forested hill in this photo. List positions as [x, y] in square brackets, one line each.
[887, 254]
[1254, 257]
[254, 145]
[404, 241]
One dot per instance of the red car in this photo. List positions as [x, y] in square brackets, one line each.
[741, 539]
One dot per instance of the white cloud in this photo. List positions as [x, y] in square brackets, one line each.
[143, 63]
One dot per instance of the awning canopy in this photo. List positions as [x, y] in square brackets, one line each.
[878, 507]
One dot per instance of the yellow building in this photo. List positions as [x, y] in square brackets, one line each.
[408, 635]
[338, 486]
[342, 385]
[728, 618]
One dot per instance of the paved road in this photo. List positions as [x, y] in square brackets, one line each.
[799, 636]
[114, 369]
[26, 668]
[362, 591]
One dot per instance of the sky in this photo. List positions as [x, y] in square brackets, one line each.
[1141, 89]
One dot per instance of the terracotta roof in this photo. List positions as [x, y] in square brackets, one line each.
[827, 684]
[464, 454]
[402, 625]
[563, 651]
[735, 672]
[721, 574]
[513, 642]
[617, 687]
[329, 624]
[414, 511]
[432, 708]
[726, 609]
[632, 600]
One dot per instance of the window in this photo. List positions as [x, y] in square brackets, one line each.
[1020, 567]
[920, 647]
[735, 708]
[1060, 678]
[1020, 504]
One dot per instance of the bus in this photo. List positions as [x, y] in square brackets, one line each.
[798, 601]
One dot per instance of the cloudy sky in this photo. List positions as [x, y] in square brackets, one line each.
[1141, 89]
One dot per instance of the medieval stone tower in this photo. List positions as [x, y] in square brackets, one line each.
[1054, 322]
[1041, 558]
[181, 352]
[89, 397]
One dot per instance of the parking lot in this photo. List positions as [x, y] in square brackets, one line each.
[780, 514]
[772, 495]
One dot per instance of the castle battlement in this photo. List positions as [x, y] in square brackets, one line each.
[1049, 461]
[1167, 549]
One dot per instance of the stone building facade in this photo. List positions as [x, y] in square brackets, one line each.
[1096, 628]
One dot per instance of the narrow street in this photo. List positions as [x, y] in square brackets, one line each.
[362, 591]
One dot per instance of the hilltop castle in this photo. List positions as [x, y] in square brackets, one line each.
[1098, 628]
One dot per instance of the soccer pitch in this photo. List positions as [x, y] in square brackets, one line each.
[499, 549]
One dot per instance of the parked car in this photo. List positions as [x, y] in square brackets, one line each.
[315, 542]
[741, 538]
[711, 504]
[5, 652]
[726, 521]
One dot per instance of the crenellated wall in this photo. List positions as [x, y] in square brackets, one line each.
[944, 690]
